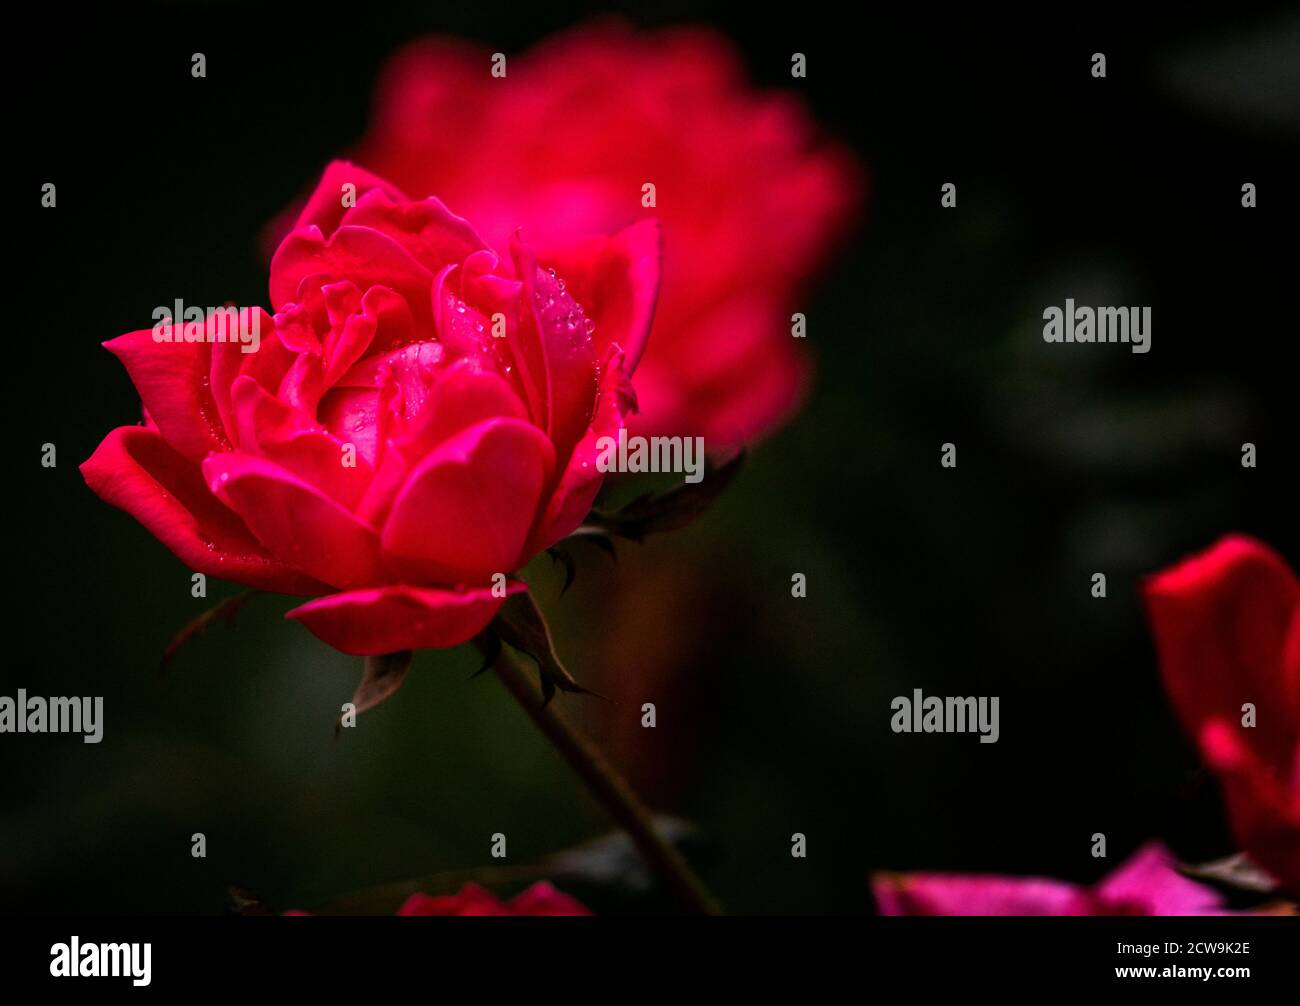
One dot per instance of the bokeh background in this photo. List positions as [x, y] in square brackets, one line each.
[774, 712]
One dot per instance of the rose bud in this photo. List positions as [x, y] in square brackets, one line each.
[419, 420]
[1227, 628]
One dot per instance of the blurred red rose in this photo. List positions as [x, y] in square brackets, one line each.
[1227, 627]
[540, 899]
[383, 447]
[751, 198]
[1147, 884]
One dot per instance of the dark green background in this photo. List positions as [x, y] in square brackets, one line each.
[1072, 459]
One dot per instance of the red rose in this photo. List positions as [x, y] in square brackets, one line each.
[1227, 627]
[750, 197]
[540, 899]
[383, 447]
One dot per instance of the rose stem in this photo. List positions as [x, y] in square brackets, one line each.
[610, 789]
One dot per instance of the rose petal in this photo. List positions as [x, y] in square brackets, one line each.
[266, 366]
[544, 899]
[466, 393]
[565, 336]
[274, 430]
[956, 894]
[470, 901]
[295, 521]
[616, 280]
[324, 208]
[1145, 884]
[578, 484]
[135, 469]
[1221, 621]
[1149, 879]
[1263, 800]
[364, 256]
[1224, 623]
[433, 234]
[465, 511]
[170, 377]
[526, 341]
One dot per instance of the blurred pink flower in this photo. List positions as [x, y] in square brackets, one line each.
[1147, 884]
[540, 899]
[751, 198]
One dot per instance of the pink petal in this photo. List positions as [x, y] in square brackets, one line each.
[171, 380]
[578, 484]
[295, 521]
[352, 415]
[1263, 800]
[527, 341]
[324, 208]
[1225, 628]
[1149, 881]
[394, 322]
[267, 366]
[364, 256]
[431, 233]
[564, 334]
[544, 899]
[462, 395]
[465, 511]
[272, 429]
[957, 894]
[135, 469]
[386, 619]
[462, 327]
[1221, 621]
[616, 280]
[1146, 884]
[353, 326]
[470, 901]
